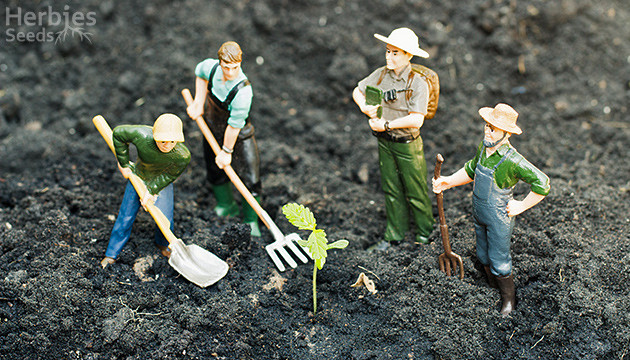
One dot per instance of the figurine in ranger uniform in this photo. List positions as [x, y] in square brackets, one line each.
[396, 99]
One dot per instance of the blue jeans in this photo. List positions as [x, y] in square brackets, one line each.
[127, 215]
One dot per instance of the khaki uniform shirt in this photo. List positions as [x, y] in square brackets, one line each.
[401, 106]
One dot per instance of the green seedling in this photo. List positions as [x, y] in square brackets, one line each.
[302, 218]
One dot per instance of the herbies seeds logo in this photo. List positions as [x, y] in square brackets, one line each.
[31, 26]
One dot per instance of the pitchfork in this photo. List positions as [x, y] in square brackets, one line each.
[282, 242]
[448, 259]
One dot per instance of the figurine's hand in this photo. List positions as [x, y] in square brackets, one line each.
[125, 171]
[377, 124]
[147, 200]
[195, 110]
[223, 159]
[370, 110]
[515, 207]
[440, 184]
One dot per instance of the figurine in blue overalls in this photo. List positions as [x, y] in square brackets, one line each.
[495, 169]
[224, 91]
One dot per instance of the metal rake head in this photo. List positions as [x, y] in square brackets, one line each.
[280, 246]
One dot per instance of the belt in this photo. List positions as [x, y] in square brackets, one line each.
[386, 135]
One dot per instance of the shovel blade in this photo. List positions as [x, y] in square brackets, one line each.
[196, 264]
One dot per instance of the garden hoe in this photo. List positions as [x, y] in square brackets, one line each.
[448, 259]
[196, 264]
[281, 242]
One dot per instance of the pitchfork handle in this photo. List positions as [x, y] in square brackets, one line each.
[440, 203]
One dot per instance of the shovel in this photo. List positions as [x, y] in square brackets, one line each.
[196, 264]
[448, 259]
[281, 242]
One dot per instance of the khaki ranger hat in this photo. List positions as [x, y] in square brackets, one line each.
[502, 116]
[168, 127]
[404, 39]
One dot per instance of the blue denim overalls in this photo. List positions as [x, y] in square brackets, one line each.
[127, 214]
[493, 226]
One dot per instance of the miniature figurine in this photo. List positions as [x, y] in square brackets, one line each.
[405, 98]
[226, 96]
[162, 158]
[495, 169]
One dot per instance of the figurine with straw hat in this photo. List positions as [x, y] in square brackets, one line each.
[495, 169]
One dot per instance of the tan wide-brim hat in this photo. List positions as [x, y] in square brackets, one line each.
[502, 116]
[404, 39]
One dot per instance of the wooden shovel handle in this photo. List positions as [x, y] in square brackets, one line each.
[161, 220]
[229, 171]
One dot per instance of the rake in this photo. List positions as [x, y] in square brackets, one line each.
[282, 242]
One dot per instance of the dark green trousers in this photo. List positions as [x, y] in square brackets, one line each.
[404, 182]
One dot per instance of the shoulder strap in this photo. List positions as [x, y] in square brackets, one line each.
[235, 89]
[380, 78]
[503, 158]
[212, 72]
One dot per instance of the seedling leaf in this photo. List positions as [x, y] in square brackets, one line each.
[300, 216]
[339, 244]
[320, 262]
[317, 244]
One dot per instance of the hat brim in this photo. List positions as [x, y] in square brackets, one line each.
[413, 51]
[486, 114]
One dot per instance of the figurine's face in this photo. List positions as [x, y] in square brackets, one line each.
[493, 134]
[166, 146]
[396, 58]
[230, 70]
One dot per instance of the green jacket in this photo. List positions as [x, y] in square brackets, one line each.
[156, 168]
[513, 169]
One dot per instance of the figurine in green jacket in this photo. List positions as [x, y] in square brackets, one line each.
[162, 158]
[495, 169]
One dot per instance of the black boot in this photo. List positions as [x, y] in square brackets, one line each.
[492, 281]
[508, 294]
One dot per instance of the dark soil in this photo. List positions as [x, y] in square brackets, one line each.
[564, 65]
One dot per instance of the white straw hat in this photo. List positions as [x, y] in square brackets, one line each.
[405, 39]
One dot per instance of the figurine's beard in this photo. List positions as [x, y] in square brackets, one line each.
[489, 144]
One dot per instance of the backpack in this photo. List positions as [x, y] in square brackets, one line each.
[431, 77]
[433, 82]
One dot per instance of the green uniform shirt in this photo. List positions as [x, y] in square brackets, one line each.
[156, 168]
[401, 106]
[513, 169]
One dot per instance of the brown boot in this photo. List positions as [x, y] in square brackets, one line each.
[107, 261]
[164, 250]
[492, 281]
[508, 294]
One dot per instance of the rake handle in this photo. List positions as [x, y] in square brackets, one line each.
[161, 220]
[229, 171]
